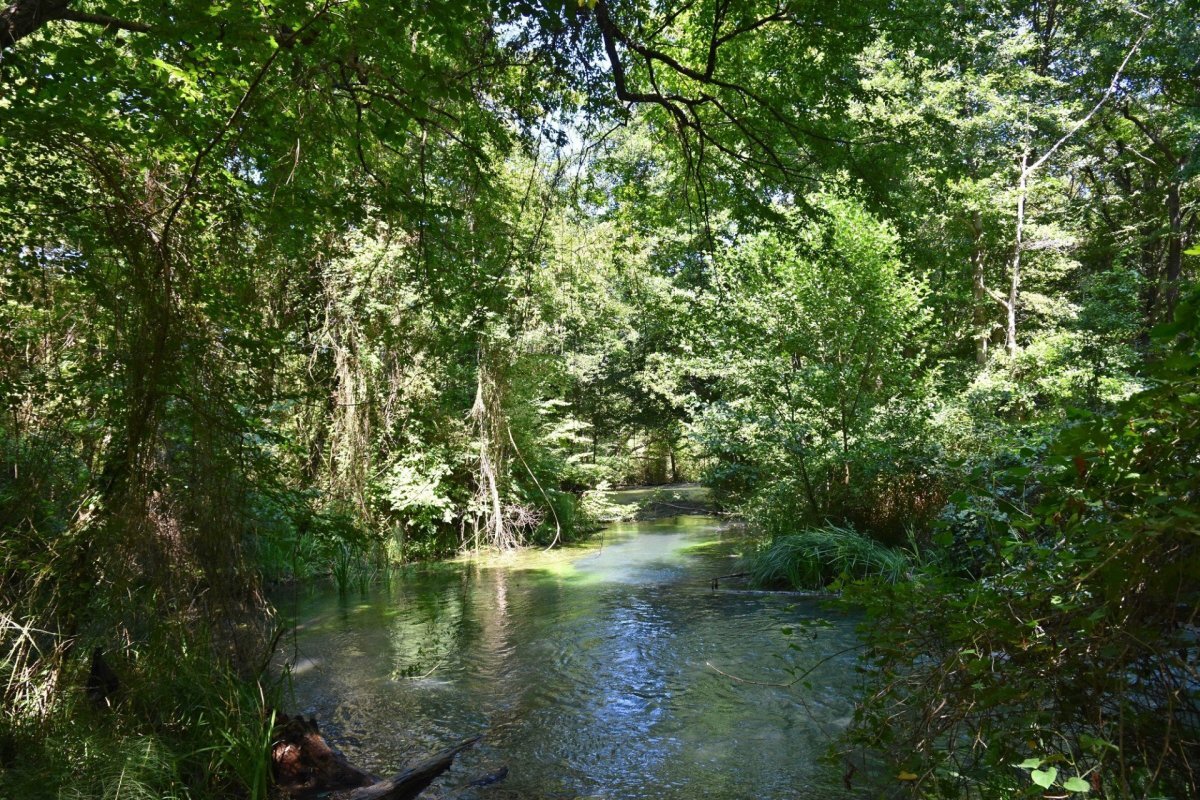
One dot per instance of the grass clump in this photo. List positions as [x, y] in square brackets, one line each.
[137, 768]
[815, 558]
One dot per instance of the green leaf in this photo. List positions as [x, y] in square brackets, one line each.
[1030, 763]
[1044, 777]
[1076, 784]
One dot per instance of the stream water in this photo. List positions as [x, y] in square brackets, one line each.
[590, 672]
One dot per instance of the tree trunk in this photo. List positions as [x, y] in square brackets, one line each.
[1010, 339]
[487, 415]
[23, 17]
[809, 492]
[1174, 245]
[1148, 258]
[983, 332]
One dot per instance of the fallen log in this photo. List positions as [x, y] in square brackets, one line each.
[305, 765]
[412, 781]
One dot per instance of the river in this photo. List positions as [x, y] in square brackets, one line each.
[589, 671]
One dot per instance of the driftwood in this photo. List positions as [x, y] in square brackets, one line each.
[412, 781]
[305, 765]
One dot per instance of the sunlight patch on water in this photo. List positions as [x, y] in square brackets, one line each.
[304, 665]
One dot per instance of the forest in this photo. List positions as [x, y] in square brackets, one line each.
[301, 291]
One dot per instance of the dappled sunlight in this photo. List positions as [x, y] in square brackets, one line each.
[538, 368]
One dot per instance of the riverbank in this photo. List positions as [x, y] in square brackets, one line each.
[662, 502]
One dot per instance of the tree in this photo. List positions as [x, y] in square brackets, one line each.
[824, 325]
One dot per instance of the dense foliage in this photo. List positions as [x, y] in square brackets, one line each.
[1069, 649]
[296, 289]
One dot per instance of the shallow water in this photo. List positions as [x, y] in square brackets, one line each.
[589, 672]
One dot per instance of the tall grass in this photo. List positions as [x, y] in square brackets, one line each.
[342, 566]
[815, 558]
[283, 558]
[183, 723]
[136, 768]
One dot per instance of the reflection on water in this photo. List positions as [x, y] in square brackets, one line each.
[585, 670]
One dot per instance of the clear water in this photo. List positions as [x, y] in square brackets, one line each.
[589, 672]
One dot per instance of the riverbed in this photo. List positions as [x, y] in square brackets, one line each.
[591, 672]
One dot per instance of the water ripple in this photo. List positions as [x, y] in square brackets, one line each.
[588, 679]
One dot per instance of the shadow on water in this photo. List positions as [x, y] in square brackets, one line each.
[586, 670]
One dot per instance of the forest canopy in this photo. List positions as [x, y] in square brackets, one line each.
[292, 289]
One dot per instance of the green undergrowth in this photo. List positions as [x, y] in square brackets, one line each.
[180, 725]
[818, 557]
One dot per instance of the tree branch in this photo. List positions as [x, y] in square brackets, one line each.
[613, 34]
[106, 21]
[194, 174]
[714, 41]
[779, 16]
[22, 18]
[999, 298]
[1157, 141]
[685, 110]
[1109, 92]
